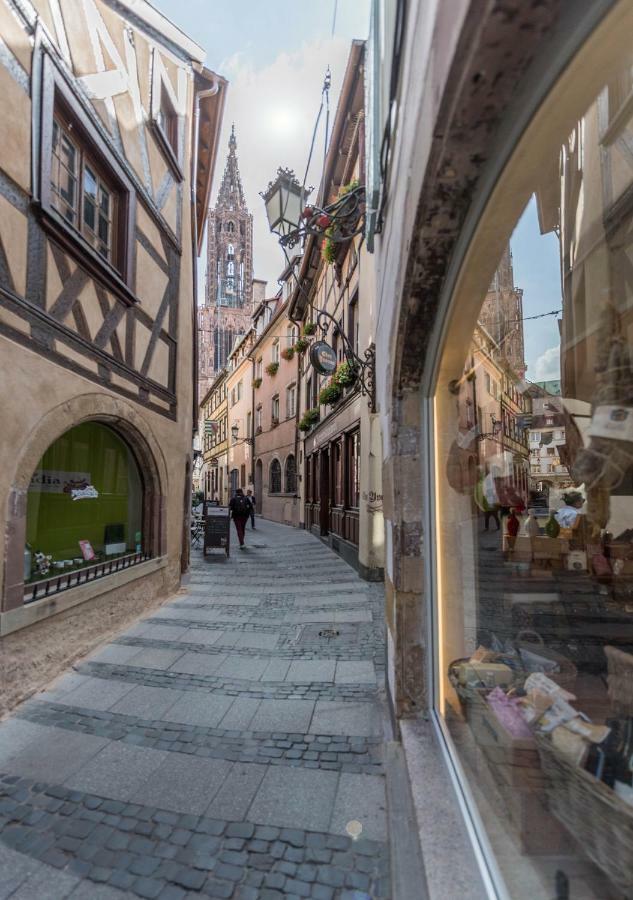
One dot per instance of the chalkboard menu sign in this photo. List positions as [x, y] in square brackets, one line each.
[217, 529]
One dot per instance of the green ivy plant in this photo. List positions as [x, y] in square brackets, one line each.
[272, 368]
[301, 345]
[330, 394]
[308, 419]
[309, 328]
[257, 382]
[345, 375]
[287, 353]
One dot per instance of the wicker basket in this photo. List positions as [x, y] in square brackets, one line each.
[600, 821]
[620, 680]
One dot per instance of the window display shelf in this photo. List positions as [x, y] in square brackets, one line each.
[62, 581]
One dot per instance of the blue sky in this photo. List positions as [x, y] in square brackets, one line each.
[537, 271]
[274, 55]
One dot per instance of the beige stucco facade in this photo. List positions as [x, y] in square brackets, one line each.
[87, 339]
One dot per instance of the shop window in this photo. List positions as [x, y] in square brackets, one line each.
[291, 475]
[535, 577]
[275, 477]
[84, 505]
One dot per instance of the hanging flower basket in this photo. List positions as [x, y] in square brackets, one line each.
[330, 394]
[287, 353]
[257, 382]
[345, 375]
[272, 368]
[308, 419]
[301, 345]
[309, 328]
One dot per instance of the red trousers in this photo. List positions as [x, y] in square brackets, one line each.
[240, 525]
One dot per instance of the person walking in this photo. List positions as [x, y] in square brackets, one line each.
[240, 509]
[249, 496]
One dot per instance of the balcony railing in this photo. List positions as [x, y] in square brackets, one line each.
[63, 581]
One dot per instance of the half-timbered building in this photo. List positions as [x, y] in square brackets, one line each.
[110, 128]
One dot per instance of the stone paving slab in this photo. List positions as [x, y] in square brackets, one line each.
[183, 784]
[283, 715]
[147, 702]
[361, 798]
[94, 694]
[117, 771]
[54, 753]
[332, 717]
[295, 798]
[198, 709]
[235, 796]
[311, 670]
[361, 672]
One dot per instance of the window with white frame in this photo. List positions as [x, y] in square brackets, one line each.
[275, 351]
[258, 419]
[274, 409]
[291, 400]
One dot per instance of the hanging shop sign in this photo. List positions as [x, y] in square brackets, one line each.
[323, 358]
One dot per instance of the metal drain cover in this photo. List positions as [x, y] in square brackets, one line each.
[329, 633]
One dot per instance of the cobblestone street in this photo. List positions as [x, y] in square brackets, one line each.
[220, 747]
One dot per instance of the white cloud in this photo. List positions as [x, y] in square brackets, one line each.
[274, 110]
[547, 365]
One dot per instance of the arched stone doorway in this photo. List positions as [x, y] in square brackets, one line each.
[126, 423]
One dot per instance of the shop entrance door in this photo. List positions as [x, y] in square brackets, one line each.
[235, 481]
[324, 492]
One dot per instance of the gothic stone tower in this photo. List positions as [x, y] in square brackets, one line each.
[228, 302]
[502, 315]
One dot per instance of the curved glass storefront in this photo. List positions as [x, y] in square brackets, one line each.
[85, 503]
[534, 475]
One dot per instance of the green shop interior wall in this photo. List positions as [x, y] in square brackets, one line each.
[55, 522]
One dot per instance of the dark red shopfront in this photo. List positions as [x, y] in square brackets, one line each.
[332, 493]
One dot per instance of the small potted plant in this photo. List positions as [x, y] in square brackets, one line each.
[308, 419]
[272, 368]
[257, 382]
[346, 374]
[330, 394]
[287, 353]
[301, 345]
[309, 328]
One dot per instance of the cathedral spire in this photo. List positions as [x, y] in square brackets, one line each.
[231, 195]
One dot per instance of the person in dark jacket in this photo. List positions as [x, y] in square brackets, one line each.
[240, 509]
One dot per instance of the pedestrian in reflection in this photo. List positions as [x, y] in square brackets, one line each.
[240, 509]
[249, 495]
[567, 515]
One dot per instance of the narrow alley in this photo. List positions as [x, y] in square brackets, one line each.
[229, 745]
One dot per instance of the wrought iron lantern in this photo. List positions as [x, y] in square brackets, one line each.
[292, 218]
